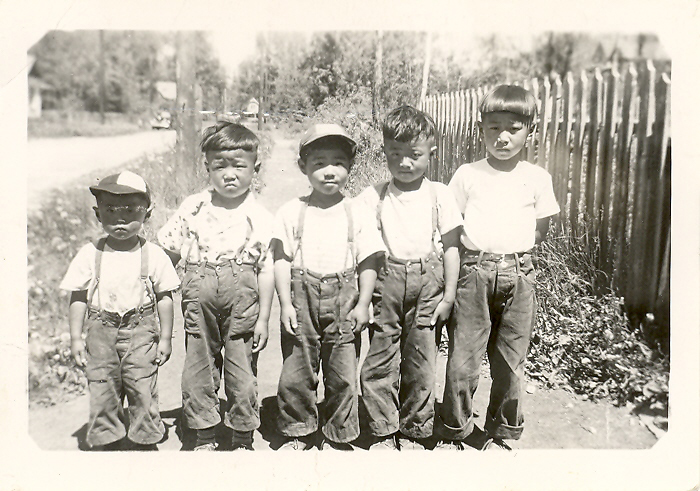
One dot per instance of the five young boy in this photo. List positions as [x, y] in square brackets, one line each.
[417, 253]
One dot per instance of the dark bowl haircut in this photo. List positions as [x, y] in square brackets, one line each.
[406, 124]
[512, 99]
[229, 136]
[331, 141]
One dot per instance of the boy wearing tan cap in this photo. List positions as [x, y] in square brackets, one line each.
[120, 282]
[325, 252]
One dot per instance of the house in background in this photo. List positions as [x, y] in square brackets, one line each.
[251, 108]
[35, 88]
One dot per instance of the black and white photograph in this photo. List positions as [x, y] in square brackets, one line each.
[371, 246]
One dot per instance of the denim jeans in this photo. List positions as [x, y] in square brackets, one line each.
[220, 308]
[398, 374]
[324, 338]
[494, 313]
[122, 360]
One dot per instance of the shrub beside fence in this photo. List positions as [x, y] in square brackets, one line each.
[605, 137]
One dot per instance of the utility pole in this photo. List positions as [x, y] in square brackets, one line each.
[186, 114]
[426, 67]
[263, 81]
[101, 68]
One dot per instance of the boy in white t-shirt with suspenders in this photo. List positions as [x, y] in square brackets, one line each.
[420, 224]
[326, 251]
[117, 285]
[507, 204]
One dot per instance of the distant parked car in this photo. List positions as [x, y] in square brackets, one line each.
[162, 121]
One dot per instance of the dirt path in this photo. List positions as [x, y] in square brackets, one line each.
[554, 419]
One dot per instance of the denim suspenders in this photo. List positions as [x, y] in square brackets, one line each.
[434, 218]
[300, 231]
[148, 284]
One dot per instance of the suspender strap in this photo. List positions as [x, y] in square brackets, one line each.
[144, 272]
[351, 235]
[100, 247]
[435, 217]
[380, 206]
[248, 234]
[300, 230]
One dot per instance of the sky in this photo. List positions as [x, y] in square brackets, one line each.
[232, 47]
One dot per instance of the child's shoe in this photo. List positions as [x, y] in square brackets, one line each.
[449, 445]
[242, 440]
[331, 445]
[298, 443]
[496, 444]
[406, 443]
[205, 447]
[384, 443]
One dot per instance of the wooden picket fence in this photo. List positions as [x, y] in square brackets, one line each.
[605, 137]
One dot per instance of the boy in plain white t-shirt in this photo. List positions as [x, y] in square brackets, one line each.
[120, 282]
[326, 252]
[507, 204]
[420, 226]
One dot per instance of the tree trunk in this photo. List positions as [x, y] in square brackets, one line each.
[186, 114]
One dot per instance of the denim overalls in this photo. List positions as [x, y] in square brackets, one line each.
[398, 375]
[322, 303]
[220, 308]
[494, 312]
[122, 361]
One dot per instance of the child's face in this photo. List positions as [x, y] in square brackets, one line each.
[327, 169]
[121, 215]
[231, 171]
[408, 161]
[504, 134]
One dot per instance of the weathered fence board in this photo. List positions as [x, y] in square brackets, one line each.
[605, 136]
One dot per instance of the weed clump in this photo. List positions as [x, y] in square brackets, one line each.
[583, 340]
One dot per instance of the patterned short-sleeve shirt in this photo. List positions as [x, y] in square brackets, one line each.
[202, 231]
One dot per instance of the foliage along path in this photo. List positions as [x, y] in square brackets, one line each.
[554, 418]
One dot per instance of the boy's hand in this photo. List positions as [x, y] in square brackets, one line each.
[165, 348]
[77, 349]
[288, 316]
[359, 318]
[260, 335]
[442, 313]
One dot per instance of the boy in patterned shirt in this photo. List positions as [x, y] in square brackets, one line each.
[222, 236]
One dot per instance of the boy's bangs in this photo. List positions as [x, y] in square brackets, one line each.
[229, 136]
[512, 99]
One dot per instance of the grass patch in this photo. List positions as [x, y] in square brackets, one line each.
[55, 233]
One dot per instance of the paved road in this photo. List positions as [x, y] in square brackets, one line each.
[53, 162]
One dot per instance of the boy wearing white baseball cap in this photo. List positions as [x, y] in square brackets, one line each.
[117, 285]
[326, 251]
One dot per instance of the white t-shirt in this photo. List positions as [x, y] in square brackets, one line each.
[501, 208]
[407, 217]
[200, 231]
[120, 288]
[324, 240]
